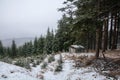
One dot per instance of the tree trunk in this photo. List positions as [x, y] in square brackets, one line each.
[105, 35]
[118, 41]
[97, 41]
[114, 45]
[94, 43]
[91, 42]
[88, 40]
[98, 30]
[116, 31]
[110, 34]
[101, 35]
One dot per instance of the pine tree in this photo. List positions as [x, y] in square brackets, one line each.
[35, 45]
[24, 50]
[41, 43]
[1, 49]
[14, 49]
[56, 46]
[9, 51]
[63, 34]
[48, 42]
[29, 50]
[20, 52]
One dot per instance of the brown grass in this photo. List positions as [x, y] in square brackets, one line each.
[113, 54]
[114, 73]
[82, 61]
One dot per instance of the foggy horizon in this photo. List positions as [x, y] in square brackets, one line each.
[28, 18]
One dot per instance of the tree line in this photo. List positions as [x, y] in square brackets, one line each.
[95, 24]
[42, 45]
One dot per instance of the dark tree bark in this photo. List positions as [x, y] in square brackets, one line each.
[94, 43]
[88, 45]
[101, 35]
[98, 30]
[105, 35]
[117, 28]
[110, 33]
[114, 45]
[118, 37]
[91, 42]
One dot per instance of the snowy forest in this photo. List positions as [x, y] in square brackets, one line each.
[94, 24]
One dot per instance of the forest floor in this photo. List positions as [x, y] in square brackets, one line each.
[110, 64]
[81, 66]
[113, 54]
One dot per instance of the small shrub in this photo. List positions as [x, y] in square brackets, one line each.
[38, 62]
[51, 58]
[59, 66]
[44, 65]
[19, 63]
[42, 58]
[31, 60]
[23, 63]
[6, 59]
[60, 61]
[34, 65]
[27, 66]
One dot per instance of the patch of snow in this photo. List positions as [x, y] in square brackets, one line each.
[12, 72]
[69, 72]
[77, 46]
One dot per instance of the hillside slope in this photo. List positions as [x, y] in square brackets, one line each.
[68, 70]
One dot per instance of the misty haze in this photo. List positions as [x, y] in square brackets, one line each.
[28, 18]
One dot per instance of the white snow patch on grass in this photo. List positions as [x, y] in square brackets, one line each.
[12, 72]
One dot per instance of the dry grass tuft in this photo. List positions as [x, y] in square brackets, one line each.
[83, 61]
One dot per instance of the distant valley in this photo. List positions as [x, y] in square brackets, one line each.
[18, 41]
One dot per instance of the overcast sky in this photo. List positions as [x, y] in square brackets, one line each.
[28, 18]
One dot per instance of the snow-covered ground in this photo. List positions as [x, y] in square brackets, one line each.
[12, 72]
[69, 72]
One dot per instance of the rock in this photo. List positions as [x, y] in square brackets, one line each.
[4, 76]
[40, 76]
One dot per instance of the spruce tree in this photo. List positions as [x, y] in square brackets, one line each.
[63, 34]
[29, 48]
[35, 45]
[41, 43]
[56, 46]
[1, 49]
[14, 49]
[48, 42]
